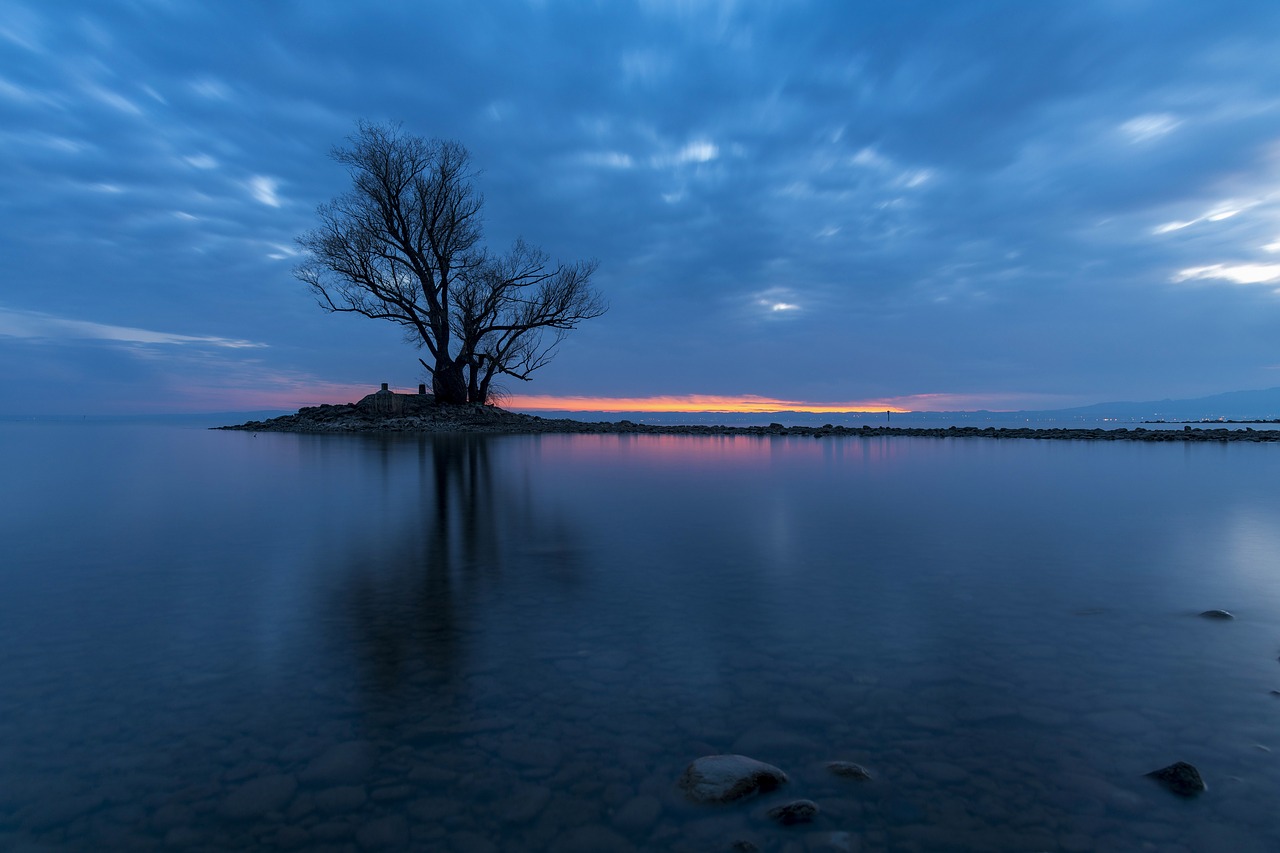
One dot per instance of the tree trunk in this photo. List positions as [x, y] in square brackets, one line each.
[447, 382]
[473, 390]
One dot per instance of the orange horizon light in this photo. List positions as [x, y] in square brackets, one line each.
[743, 404]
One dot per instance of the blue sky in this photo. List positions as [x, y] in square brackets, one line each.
[933, 204]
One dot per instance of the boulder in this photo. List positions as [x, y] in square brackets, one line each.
[725, 778]
[341, 764]
[1181, 778]
[848, 770]
[796, 811]
[259, 796]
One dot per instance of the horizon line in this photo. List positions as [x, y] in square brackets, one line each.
[692, 403]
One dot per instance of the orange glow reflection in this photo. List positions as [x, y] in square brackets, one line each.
[746, 404]
[713, 451]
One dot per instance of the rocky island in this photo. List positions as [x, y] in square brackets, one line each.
[387, 411]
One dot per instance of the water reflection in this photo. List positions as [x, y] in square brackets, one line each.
[470, 643]
[413, 602]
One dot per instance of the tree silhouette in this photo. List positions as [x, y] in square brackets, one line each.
[403, 245]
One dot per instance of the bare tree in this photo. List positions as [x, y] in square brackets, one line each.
[404, 245]
[512, 311]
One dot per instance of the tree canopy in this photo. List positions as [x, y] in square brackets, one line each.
[404, 245]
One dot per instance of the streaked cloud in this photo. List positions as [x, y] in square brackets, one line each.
[1145, 128]
[263, 189]
[211, 88]
[1217, 213]
[609, 159]
[200, 161]
[1234, 273]
[114, 100]
[784, 198]
[38, 326]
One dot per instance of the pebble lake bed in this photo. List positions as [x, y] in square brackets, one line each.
[257, 640]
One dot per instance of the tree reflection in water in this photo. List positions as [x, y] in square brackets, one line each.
[415, 606]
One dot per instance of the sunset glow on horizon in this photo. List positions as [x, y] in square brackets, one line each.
[743, 404]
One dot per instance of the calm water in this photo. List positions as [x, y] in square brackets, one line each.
[221, 641]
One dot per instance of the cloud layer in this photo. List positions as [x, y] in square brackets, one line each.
[801, 201]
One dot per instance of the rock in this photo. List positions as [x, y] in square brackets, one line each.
[292, 837]
[58, 811]
[725, 778]
[470, 842]
[342, 763]
[531, 753]
[344, 798]
[526, 804]
[432, 809]
[848, 770]
[390, 832]
[1217, 614]
[796, 811]
[260, 796]
[638, 814]
[392, 792]
[1181, 778]
[590, 839]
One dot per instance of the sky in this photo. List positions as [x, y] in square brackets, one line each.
[916, 205]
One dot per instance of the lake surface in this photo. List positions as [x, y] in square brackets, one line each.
[222, 641]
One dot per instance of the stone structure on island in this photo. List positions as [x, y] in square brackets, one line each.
[389, 411]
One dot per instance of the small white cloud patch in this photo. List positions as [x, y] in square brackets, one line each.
[609, 159]
[114, 100]
[700, 151]
[263, 189]
[200, 161]
[211, 88]
[280, 252]
[777, 301]
[1235, 273]
[871, 159]
[1144, 128]
[915, 178]
[1222, 210]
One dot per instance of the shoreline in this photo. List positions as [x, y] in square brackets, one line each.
[389, 412]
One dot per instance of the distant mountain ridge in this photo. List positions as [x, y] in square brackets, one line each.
[1231, 405]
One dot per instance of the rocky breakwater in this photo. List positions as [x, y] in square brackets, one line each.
[388, 411]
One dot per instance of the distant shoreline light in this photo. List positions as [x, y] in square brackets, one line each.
[744, 404]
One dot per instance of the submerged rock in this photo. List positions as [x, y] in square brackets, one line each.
[848, 770]
[341, 764]
[260, 796]
[725, 778]
[1217, 614]
[1181, 778]
[796, 811]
